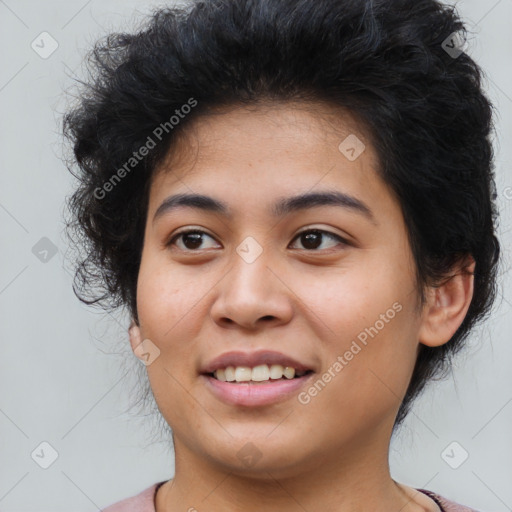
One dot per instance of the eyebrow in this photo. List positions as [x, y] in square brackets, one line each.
[281, 208]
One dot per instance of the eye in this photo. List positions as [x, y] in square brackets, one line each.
[191, 239]
[313, 238]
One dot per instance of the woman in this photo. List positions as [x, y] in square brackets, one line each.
[294, 200]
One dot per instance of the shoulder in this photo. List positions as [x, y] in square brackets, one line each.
[144, 501]
[447, 505]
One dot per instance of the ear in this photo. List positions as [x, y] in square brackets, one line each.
[135, 335]
[447, 306]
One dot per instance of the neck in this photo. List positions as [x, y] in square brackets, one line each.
[343, 482]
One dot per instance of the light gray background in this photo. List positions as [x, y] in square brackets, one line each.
[58, 382]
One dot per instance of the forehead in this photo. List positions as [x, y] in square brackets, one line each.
[302, 127]
[270, 150]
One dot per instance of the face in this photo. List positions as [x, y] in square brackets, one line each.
[325, 284]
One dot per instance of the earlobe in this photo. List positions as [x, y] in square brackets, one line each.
[447, 306]
[135, 335]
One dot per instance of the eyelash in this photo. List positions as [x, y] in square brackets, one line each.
[311, 230]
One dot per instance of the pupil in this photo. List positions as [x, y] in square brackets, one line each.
[309, 239]
[196, 240]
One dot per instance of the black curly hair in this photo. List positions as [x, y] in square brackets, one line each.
[393, 64]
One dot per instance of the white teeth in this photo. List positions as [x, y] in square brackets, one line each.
[243, 374]
[289, 373]
[259, 373]
[276, 371]
[221, 375]
[229, 372]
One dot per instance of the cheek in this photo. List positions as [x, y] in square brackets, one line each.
[167, 298]
[345, 302]
[367, 320]
[165, 301]
[362, 382]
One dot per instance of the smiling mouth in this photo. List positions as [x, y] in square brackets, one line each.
[258, 386]
[261, 374]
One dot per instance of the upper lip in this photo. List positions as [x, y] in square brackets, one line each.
[252, 359]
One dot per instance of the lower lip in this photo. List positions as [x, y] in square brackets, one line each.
[253, 394]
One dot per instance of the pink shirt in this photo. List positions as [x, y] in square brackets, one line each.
[145, 502]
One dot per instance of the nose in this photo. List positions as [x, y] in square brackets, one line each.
[252, 295]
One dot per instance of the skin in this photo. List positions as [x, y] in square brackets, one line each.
[307, 301]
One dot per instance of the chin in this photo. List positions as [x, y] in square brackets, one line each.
[262, 456]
